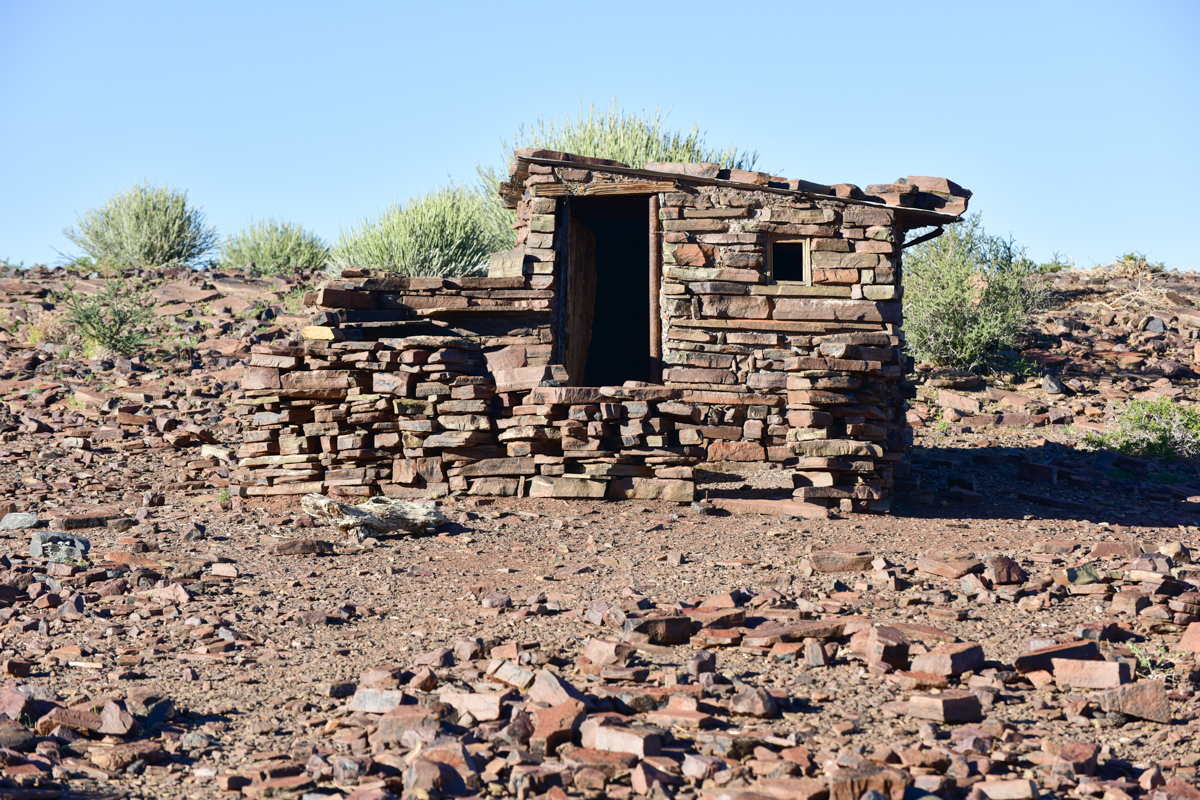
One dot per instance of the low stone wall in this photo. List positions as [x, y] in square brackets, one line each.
[411, 419]
[421, 416]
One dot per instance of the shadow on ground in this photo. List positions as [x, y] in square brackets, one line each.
[1053, 481]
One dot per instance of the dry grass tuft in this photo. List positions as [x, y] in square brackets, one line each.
[1140, 291]
[51, 328]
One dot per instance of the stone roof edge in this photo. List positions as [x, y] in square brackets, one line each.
[512, 190]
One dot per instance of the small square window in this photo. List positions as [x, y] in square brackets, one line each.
[789, 261]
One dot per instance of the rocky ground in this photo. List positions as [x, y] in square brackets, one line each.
[1025, 624]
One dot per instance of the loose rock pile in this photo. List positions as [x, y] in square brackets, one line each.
[613, 719]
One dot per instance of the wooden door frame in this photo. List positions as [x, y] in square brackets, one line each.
[655, 288]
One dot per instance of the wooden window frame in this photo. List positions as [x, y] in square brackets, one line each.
[807, 256]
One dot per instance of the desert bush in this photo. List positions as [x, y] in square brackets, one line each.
[1057, 263]
[442, 234]
[631, 138]
[270, 247]
[1160, 429]
[115, 319]
[144, 226]
[968, 296]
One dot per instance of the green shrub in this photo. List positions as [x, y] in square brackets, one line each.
[632, 139]
[1120, 474]
[1160, 429]
[1057, 263]
[270, 247]
[443, 234]
[1014, 366]
[1169, 477]
[968, 296]
[115, 319]
[144, 226]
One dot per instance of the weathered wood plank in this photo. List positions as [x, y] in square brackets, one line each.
[603, 189]
[655, 288]
[483, 311]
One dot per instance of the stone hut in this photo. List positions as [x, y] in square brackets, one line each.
[647, 321]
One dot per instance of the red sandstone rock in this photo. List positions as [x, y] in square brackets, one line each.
[1144, 700]
[949, 706]
[1075, 674]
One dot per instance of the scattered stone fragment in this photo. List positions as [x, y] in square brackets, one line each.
[950, 706]
[949, 565]
[555, 726]
[553, 690]
[120, 756]
[58, 546]
[376, 516]
[887, 645]
[853, 784]
[481, 706]
[1076, 759]
[1012, 789]
[1052, 385]
[1042, 658]
[834, 561]
[1075, 674]
[18, 520]
[1004, 571]
[115, 720]
[304, 547]
[1191, 638]
[606, 652]
[950, 659]
[754, 702]
[376, 701]
[1144, 700]
[635, 741]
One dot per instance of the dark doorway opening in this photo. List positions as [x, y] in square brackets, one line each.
[608, 294]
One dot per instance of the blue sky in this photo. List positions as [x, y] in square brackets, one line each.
[1075, 124]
